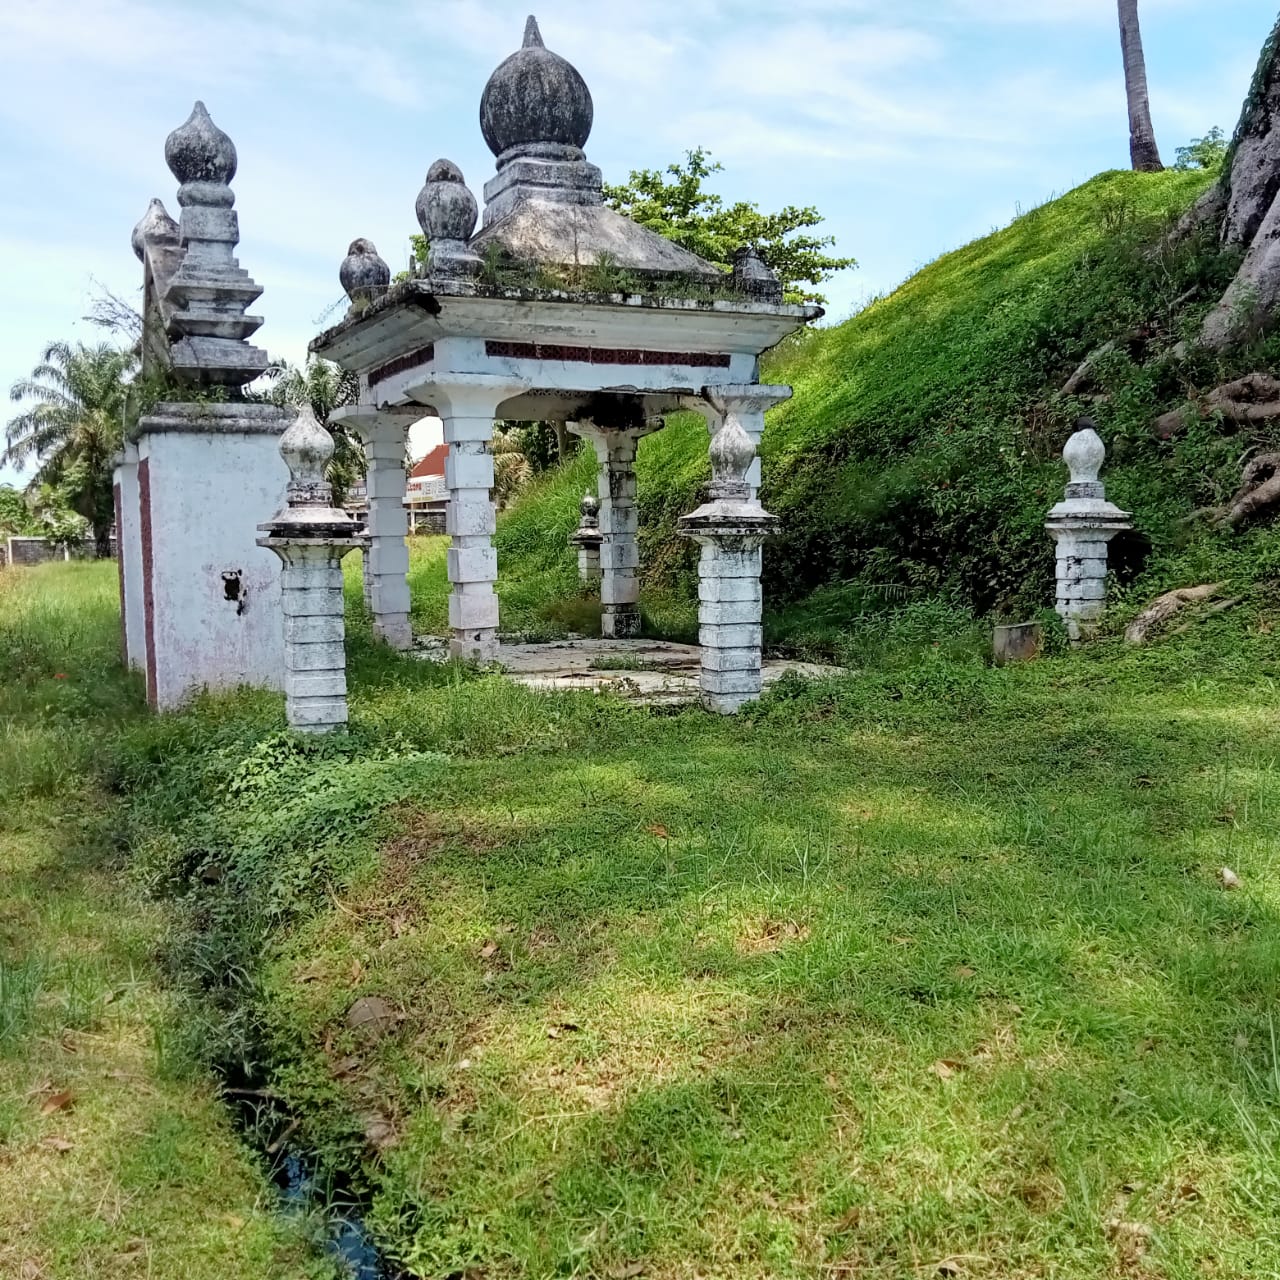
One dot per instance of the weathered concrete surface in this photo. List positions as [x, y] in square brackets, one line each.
[668, 672]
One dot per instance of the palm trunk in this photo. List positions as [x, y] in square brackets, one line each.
[1142, 135]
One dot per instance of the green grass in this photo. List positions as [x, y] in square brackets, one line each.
[928, 968]
[116, 1157]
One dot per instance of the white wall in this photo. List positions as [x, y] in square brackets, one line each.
[208, 494]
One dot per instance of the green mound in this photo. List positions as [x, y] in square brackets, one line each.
[921, 451]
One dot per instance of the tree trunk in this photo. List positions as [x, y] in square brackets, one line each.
[1142, 136]
[102, 541]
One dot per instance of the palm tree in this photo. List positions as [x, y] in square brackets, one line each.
[325, 387]
[73, 428]
[1142, 136]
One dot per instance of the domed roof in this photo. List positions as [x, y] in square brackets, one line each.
[535, 97]
[198, 151]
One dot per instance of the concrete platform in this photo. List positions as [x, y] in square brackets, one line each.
[647, 671]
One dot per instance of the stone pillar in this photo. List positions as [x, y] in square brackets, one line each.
[311, 536]
[619, 523]
[1082, 525]
[386, 558]
[467, 405]
[731, 529]
[587, 539]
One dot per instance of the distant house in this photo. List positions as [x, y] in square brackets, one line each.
[425, 494]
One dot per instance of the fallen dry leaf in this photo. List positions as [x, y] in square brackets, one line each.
[357, 971]
[1229, 878]
[60, 1145]
[945, 1068]
[32, 1270]
[63, 1100]
[629, 1272]
[489, 950]
[963, 971]
[657, 829]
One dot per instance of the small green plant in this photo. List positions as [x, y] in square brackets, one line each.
[1206, 153]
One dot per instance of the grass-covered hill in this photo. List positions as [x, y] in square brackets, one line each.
[921, 451]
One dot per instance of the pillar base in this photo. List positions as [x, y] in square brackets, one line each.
[474, 646]
[620, 621]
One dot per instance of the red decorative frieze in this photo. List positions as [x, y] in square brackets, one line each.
[402, 364]
[604, 355]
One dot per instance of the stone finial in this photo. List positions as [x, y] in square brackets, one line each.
[306, 448]
[732, 453]
[753, 277]
[589, 508]
[1084, 455]
[363, 275]
[154, 227]
[447, 214]
[207, 296]
[536, 99]
[198, 151]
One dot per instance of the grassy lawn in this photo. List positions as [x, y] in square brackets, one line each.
[925, 972]
[116, 1156]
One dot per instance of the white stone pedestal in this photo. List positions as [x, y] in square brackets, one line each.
[729, 606]
[315, 661]
[1082, 526]
[207, 476]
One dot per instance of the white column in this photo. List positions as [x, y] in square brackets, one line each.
[467, 405]
[619, 524]
[315, 662]
[729, 618]
[386, 561]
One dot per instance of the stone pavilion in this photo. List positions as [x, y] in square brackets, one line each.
[549, 306]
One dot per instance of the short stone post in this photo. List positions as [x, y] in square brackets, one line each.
[587, 539]
[386, 557]
[311, 536]
[619, 523]
[1082, 525]
[731, 529]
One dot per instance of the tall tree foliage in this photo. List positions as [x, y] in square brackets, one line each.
[674, 203]
[1143, 151]
[72, 428]
[325, 387]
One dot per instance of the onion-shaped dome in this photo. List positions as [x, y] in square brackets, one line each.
[198, 151]
[445, 207]
[535, 99]
[363, 274]
[154, 226]
[1085, 453]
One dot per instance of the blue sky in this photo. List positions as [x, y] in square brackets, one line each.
[913, 125]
